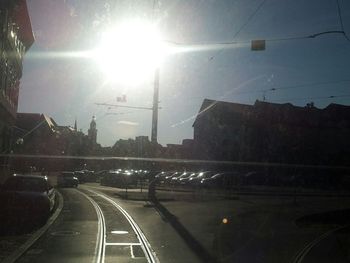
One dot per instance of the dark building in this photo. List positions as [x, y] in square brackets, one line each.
[35, 133]
[39, 134]
[271, 132]
[140, 147]
[16, 38]
[179, 151]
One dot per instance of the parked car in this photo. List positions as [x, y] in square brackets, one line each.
[221, 180]
[188, 180]
[67, 179]
[82, 177]
[195, 180]
[184, 178]
[175, 177]
[110, 178]
[169, 177]
[254, 178]
[119, 178]
[27, 197]
[100, 174]
[161, 176]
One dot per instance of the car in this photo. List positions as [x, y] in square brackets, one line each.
[170, 176]
[27, 197]
[67, 179]
[254, 178]
[224, 180]
[81, 175]
[117, 178]
[100, 174]
[195, 180]
[176, 176]
[111, 178]
[184, 178]
[161, 176]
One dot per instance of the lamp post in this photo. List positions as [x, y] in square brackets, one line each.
[154, 132]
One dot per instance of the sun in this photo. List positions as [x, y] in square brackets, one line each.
[129, 52]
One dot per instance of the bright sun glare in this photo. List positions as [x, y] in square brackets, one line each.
[130, 52]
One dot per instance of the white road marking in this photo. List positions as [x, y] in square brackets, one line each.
[119, 232]
[123, 244]
[132, 252]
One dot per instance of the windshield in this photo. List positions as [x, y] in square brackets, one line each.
[220, 129]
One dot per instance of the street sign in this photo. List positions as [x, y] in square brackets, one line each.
[258, 45]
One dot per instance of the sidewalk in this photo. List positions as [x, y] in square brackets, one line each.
[14, 236]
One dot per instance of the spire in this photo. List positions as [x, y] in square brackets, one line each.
[92, 132]
[75, 125]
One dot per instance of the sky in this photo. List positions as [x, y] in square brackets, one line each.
[58, 82]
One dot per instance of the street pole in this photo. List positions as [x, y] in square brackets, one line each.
[155, 107]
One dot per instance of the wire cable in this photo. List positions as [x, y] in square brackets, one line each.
[341, 21]
[312, 98]
[249, 18]
[243, 26]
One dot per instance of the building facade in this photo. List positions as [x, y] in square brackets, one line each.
[271, 132]
[16, 38]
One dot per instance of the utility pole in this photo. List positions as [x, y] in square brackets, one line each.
[155, 107]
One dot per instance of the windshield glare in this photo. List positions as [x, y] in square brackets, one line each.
[175, 131]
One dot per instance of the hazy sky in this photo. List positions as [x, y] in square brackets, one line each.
[65, 86]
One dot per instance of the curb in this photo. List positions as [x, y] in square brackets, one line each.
[23, 248]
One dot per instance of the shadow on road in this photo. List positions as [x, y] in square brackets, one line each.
[196, 247]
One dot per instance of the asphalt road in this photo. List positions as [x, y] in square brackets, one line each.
[95, 227]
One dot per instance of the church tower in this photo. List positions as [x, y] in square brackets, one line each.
[92, 132]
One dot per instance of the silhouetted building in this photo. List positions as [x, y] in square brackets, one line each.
[16, 37]
[179, 151]
[92, 132]
[271, 132]
[140, 147]
[35, 133]
[39, 134]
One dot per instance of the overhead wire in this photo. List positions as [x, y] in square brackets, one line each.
[341, 21]
[311, 84]
[243, 25]
[234, 42]
[313, 98]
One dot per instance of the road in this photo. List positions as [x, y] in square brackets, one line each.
[94, 226]
[97, 225]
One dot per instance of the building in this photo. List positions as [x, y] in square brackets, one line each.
[179, 151]
[92, 132]
[35, 133]
[271, 132]
[16, 37]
